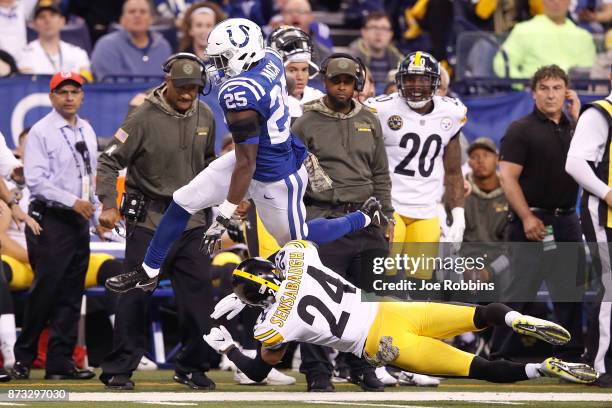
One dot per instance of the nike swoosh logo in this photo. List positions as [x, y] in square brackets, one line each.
[268, 198]
[231, 88]
[139, 285]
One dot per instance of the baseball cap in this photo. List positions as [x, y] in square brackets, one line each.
[46, 5]
[63, 76]
[186, 72]
[483, 143]
[339, 66]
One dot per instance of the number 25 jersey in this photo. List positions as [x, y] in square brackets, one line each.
[315, 305]
[415, 146]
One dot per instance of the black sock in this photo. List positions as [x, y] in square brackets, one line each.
[108, 269]
[499, 371]
[493, 314]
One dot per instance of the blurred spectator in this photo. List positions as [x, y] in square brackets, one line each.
[499, 16]
[133, 50]
[258, 11]
[542, 197]
[8, 66]
[172, 10]
[59, 172]
[298, 13]
[375, 48]
[369, 88]
[436, 18]
[596, 16]
[551, 38]
[13, 16]
[601, 67]
[199, 21]
[295, 47]
[98, 15]
[48, 54]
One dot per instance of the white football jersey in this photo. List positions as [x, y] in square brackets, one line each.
[415, 146]
[314, 305]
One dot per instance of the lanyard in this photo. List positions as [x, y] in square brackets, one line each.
[61, 63]
[84, 153]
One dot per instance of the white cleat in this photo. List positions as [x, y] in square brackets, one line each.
[226, 364]
[419, 380]
[146, 365]
[275, 377]
[387, 379]
[242, 379]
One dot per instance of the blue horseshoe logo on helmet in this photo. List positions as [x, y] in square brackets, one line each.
[245, 31]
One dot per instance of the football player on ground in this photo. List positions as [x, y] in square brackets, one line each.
[421, 136]
[267, 163]
[305, 301]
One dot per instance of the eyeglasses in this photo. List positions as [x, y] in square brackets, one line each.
[379, 29]
[65, 92]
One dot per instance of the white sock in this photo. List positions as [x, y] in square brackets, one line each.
[510, 316]
[8, 336]
[368, 220]
[152, 272]
[112, 320]
[533, 370]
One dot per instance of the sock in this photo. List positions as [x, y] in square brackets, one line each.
[170, 227]
[112, 320]
[368, 219]
[323, 230]
[510, 316]
[8, 337]
[533, 370]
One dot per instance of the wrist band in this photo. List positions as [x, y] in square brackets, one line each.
[227, 209]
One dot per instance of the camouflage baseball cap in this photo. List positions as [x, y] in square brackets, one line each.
[186, 72]
[341, 65]
[483, 143]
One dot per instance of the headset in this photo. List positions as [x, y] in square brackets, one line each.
[360, 78]
[167, 66]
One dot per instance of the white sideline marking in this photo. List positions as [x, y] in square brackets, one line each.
[339, 396]
[12, 404]
[499, 402]
[363, 404]
[180, 404]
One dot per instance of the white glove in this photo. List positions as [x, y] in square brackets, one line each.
[229, 305]
[219, 339]
[455, 231]
[211, 241]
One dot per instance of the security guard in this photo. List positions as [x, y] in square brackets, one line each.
[588, 162]
[60, 173]
[164, 143]
[347, 139]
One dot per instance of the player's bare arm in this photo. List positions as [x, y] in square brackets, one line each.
[244, 125]
[453, 178]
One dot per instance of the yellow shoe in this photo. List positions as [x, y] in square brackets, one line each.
[573, 372]
[541, 329]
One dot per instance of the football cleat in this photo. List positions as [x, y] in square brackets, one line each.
[4, 375]
[136, 279]
[406, 378]
[541, 329]
[573, 372]
[387, 379]
[373, 210]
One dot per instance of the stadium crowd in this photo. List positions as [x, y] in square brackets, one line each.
[369, 89]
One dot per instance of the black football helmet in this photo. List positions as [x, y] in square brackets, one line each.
[418, 64]
[256, 281]
[291, 42]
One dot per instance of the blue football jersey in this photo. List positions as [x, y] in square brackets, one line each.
[263, 88]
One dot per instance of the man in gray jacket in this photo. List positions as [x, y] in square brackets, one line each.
[164, 143]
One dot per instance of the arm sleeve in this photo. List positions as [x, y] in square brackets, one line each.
[590, 136]
[380, 171]
[254, 368]
[514, 146]
[584, 175]
[37, 171]
[124, 146]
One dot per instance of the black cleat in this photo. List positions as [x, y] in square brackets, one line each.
[196, 380]
[373, 209]
[368, 381]
[319, 383]
[4, 375]
[119, 382]
[136, 279]
[20, 371]
[73, 374]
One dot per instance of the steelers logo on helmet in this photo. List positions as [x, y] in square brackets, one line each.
[418, 78]
[395, 122]
[256, 282]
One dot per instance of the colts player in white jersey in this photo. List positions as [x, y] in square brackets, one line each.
[421, 132]
[266, 165]
[305, 301]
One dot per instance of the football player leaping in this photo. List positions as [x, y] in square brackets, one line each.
[267, 163]
[421, 136]
[305, 301]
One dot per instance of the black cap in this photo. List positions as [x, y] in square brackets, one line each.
[46, 5]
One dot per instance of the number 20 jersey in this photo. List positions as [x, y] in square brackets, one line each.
[315, 305]
[415, 146]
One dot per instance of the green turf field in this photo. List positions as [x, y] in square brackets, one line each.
[156, 388]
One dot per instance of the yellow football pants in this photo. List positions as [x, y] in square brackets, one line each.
[409, 232]
[418, 328]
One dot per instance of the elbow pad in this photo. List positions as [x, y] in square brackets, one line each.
[244, 129]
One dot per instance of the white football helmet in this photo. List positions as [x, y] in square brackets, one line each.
[233, 45]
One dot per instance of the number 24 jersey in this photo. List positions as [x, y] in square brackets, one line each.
[415, 146]
[315, 305]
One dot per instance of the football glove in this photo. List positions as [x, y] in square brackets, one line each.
[455, 232]
[219, 339]
[387, 353]
[235, 232]
[211, 241]
[229, 305]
